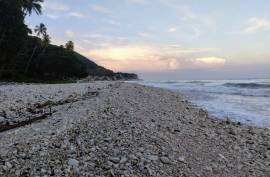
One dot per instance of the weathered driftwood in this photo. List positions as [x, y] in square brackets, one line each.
[7, 127]
[38, 108]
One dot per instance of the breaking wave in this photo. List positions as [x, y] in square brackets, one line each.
[247, 85]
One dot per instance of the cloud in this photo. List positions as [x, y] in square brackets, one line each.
[210, 61]
[199, 23]
[173, 64]
[100, 9]
[79, 48]
[153, 58]
[69, 33]
[52, 16]
[98, 40]
[55, 6]
[113, 22]
[55, 10]
[257, 24]
[172, 29]
[62, 15]
[58, 41]
[145, 34]
[197, 32]
[123, 53]
[94, 36]
[76, 14]
[142, 2]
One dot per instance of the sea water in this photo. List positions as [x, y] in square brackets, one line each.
[246, 101]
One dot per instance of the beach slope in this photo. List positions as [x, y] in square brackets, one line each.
[121, 129]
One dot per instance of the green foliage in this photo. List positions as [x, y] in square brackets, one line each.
[32, 59]
[46, 40]
[127, 76]
[70, 45]
[56, 64]
[13, 31]
[41, 29]
[31, 5]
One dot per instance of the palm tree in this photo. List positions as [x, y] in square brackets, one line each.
[39, 30]
[46, 40]
[32, 5]
[13, 32]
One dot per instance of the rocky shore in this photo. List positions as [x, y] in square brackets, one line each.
[120, 129]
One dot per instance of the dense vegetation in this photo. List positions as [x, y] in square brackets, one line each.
[24, 57]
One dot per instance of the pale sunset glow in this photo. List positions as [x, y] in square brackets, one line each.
[166, 36]
[122, 53]
[153, 58]
[211, 61]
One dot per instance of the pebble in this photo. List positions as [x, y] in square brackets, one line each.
[123, 160]
[17, 172]
[221, 156]
[2, 119]
[132, 157]
[108, 140]
[153, 157]
[8, 164]
[104, 144]
[115, 159]
[181, 159]
[73, 162]
[165, 160]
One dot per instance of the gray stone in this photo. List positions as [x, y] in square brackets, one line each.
[108, 140]
[17, 172]
[132, 157]
[73, 162]
[141, 149]
[8, 164]
[115, 159]
[181, 159]
[2, 119]
[165, 160]
[43, 170]
[149, 170]
[153, 157]
[123, 160]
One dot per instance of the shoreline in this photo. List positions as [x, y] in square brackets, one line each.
[239, 100]
[124, 129]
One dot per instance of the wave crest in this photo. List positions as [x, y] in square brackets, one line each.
[247, 85]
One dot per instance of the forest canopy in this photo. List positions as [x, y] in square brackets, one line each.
[27, 54]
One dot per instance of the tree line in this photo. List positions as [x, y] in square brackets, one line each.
[15, 34]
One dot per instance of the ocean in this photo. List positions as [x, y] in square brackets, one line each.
[245, 101]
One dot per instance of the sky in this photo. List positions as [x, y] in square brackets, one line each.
[166, 39]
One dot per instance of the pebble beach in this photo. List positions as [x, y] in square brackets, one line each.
[107, 128]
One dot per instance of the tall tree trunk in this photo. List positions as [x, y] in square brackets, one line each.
[44, 50]
[30, 60]
[42, 54]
